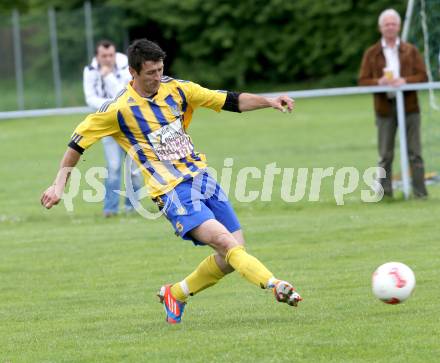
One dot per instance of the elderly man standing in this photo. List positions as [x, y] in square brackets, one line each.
[103, 79]
[393, 62]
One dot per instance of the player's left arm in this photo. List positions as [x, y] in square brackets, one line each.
[232, 101]
[249, 102]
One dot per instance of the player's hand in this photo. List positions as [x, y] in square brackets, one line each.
[50, 197]
[283, 103]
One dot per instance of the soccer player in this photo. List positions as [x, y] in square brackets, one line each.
[149, 119]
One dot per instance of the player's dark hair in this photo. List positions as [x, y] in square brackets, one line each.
[143, 50]
[104, 43]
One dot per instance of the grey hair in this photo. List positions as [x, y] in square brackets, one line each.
[388, 12]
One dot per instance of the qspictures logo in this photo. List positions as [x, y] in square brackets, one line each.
[246, 184]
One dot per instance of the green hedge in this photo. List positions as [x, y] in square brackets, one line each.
[232, 43]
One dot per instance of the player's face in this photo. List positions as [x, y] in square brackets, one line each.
[390, 27]
[106, 56]
[149, 76]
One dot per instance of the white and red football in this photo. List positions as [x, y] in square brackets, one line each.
[393, 282]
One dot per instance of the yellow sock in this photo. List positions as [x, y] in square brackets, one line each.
[178, 292]
[205, 275]
[248, 266]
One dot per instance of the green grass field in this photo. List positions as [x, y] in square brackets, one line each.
[75, 287]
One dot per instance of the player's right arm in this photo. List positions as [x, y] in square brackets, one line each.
[52, 195]
[93, 128]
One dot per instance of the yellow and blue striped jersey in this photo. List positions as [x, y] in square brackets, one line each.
[153, 131]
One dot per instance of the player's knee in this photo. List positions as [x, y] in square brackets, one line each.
[223, 242]
[238, 235]
[223, 265]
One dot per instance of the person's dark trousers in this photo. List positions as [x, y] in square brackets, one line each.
[387, 127]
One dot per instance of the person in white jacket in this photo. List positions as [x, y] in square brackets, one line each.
[103, 79]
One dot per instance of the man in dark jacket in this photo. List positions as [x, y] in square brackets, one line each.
[393, 62]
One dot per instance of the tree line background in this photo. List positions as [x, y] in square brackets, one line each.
[229, 43]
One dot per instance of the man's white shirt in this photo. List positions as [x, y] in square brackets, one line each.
[392, 60]
[392, 57]
[98, 89]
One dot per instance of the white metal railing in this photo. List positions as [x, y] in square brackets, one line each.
[45, 112]
[356, 90]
